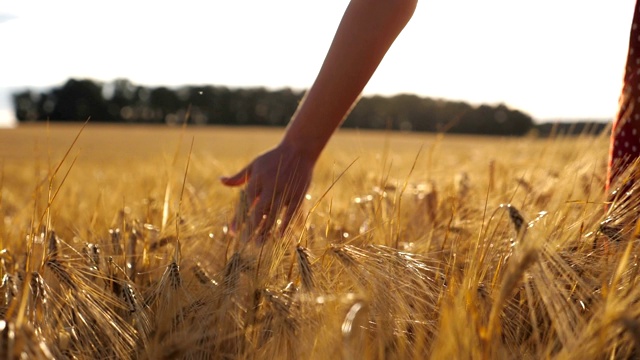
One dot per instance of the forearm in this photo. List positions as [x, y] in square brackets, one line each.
[367, 30]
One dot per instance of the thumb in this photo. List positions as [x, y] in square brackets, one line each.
[238, 179]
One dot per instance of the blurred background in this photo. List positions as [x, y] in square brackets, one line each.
[463, 66]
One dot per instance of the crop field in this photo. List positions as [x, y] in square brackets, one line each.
[114, 244]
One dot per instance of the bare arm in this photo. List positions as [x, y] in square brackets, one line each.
[279, 178]
[367, 30]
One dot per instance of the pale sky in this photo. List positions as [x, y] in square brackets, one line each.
[549, 58]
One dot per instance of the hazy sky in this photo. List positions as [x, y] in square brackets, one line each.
[549, 58]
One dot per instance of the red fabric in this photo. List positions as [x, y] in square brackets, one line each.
[625, 134]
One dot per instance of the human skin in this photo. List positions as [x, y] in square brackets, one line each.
[277, 180]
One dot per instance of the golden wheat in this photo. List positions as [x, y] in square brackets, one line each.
[472, 248]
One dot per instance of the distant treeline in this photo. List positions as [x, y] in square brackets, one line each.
[123, 101]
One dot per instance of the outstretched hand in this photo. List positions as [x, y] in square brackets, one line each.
[275, 182]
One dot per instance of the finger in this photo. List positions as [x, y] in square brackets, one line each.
[274, 214]
[249, 199]
[292, 208]
[253, 190]
[261, 208]
[238, 179]
[265, 213]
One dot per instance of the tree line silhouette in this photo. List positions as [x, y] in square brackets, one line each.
[124, 102]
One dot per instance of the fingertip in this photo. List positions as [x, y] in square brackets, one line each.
[233, 227]
[226, 180]
[289, 214]
[284, 223]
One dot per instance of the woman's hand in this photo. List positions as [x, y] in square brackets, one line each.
[279, 178]
[275, 180]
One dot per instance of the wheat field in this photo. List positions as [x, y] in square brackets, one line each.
[114, 245]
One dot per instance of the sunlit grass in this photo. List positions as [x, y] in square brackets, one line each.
[409, 246]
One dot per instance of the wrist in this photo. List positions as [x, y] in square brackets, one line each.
[304, 147]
